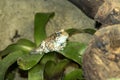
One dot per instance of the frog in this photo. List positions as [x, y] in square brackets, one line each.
[55, 42]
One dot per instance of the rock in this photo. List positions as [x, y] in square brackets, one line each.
[18, 16]
[101, 60]
[106, 12]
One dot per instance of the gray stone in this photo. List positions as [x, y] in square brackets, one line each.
[19, 15]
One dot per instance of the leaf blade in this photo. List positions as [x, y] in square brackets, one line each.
[26, 42]
[77, 74]
[28, 61]
[40, 22]
[53, 69]
[7, 61]
[73, 31]
[22, 44]
[74, 51]
[90, 31]
[36, 73]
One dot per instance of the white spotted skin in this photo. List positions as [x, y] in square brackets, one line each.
[54, 42]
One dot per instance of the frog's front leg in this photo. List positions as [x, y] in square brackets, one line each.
[62, 46]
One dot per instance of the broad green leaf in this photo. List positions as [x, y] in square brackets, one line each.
[40, 22]
[27, 61]
[53, 69]
[22, 44]
[6, 62]
[74, 75]
[73, 31]
[74, 51]
[11, 48]
[26, 43]
[49, 57]
[36, 73]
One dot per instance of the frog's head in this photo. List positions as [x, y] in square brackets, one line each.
[62, 36]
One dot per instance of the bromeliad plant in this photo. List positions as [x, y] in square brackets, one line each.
[58, 65]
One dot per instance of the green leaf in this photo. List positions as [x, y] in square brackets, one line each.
[53, 69]
[74, 75]
[113, 78]
[41, 20]
[73, 31]
[26, 43]
[8, 61]
[36, 73]
[48, 57]
[10, 48]
[22, 44]
[74, 51]
[89, 31]
[27, 61]
[10, 76]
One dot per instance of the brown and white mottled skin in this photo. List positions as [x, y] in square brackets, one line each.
[55, 42]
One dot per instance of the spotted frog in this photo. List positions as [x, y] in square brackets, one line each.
[55, 42]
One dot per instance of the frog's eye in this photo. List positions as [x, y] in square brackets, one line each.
[58, 33]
